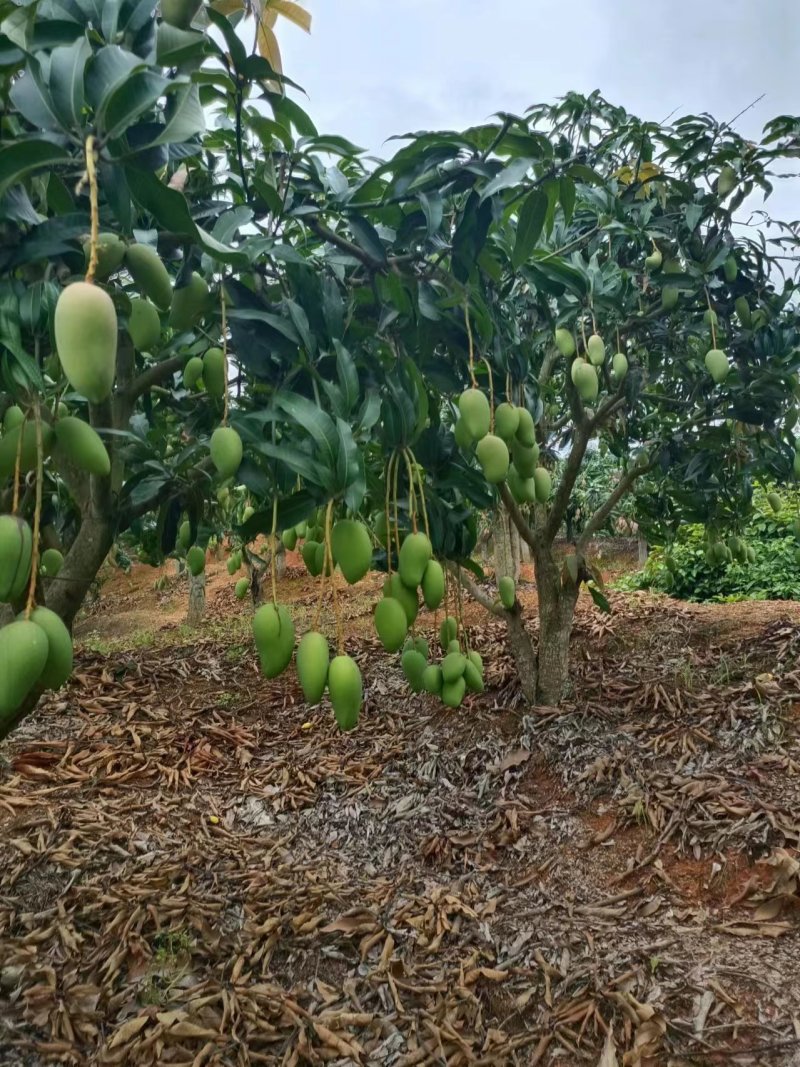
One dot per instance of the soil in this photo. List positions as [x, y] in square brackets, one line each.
[200, 869]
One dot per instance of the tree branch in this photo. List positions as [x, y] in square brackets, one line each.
[519, 520]
[476, 592]
[327, 234]
[153, 376]
[603, 513]
[558, 509]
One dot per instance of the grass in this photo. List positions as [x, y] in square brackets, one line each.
[171, 953]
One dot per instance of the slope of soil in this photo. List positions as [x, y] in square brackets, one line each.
[199, 869]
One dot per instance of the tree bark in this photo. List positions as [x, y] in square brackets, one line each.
[642, 551]
[523, 653]
[65, 593]
[558, 595]
[197, 599]
[504, 534]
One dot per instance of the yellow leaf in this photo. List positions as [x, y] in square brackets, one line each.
[268, 47]
[227, 7]
[291, 11]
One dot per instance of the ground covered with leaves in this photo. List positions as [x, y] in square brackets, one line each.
[198, 869]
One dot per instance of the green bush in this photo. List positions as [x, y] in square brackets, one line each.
[683, 570]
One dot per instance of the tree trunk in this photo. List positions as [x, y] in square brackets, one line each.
[642, 551]
[197, 599]
[506, 546]
[523, 653]
[65, 593]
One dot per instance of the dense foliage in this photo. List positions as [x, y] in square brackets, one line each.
[404, 344]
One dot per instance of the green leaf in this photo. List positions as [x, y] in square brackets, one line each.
[23, 157]
[33, 101]
[367, 238]
[530, 223]
[314, 421]
[67, 68]
[599, 598]
[185, 118]
[236, 48]
[348, 376]
[126, 104]
[512, 174]
[297, 461]
[350, 478]
[567, 197]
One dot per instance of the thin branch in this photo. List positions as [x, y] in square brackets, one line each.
[603, 513]
[153, 376]
[558, 508]
[519, 520]
[476, 592]
[327, 234]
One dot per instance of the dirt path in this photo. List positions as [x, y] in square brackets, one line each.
[199, 869]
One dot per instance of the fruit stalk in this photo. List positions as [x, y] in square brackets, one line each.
[273, 550]
[91, 174]
[396, 519]
[328, 567]
[17, 464]
[711, 320]
[473, 382]
[389, 466]
[412, 493]
[37, 514]
[421, 493]
[224, 352]
[491, 396]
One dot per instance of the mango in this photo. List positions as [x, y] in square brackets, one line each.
[193, 373]
[300, 529]
[525, 458]
[669, 297]
[13, 417]
[313, 660]
[179, 12]
[543, 483]
[475, 412]
[522, 489]
[274, 634]
[596, 350]
[352, 549]
[453, 666]
[462, 435]
[234, 563]
[391, 623]
[730, 269]
[80, 445]
[226, 451]
[619, 366]
[453, 646]
[242, 588]
[110, 254]
[421, 646]
[654, 260]
[473, 678]
[494, 458]
[214, 373]
[586, 381]
[85, 328]
[727, 180]
[184, 539]
[9, 443]
[346, 691]
[506, 422]
[196, 560]
[743, 311]
[415, 552]
[189, 303]
[475, 657]
[751, 554]
[24, 650]
[526, 431]
[717, 365]
[565, 342]
[774, 502]
[248, 513]
[289, 539]
[414, 665]
[309, 554]
[58, 666]
[144, 325]
[151, 276]
[508, 591]
[380, 528]
[710, 318]
[433, 585]
[448, 631]
[16, 546]
[51, 562]
[432, 680]
[393, 587]
[323, 565]
[453, 692]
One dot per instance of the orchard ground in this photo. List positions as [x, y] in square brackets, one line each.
[199, 869]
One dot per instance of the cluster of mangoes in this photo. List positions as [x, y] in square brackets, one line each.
[68, 438]
[456, 674]
[35, 650]
[585, 369]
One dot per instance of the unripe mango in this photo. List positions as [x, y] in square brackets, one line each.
[506, 421]
[453, 646]
[394, 587]
[323, 563]
[432, 680]
[110, 254]
[475, 657]
[494, 458]
[188, 303]
[273, 631]
[654, 260]
[234, 563]
[508, 591]
[585, 378]
[421, 646]
[289, 539]
[248, 513]
[433, 585]
[85, 327]
[710, 318]
[24, 649]
[415, 552]
[448, 631]
[193, 373]
[309, 554]
[346, 691]
[543, 483]
[726, 181]
[226, 451]
[522, 489]
[179, 12]
[352, 549]
[9, 444]
[144, 325]
[525, 458]
[774, 502]
[619, 366]
[730, 269]
[150, 274]
[80, 444]
[473, 678]
[743, 311]
[596, 350]
[526, 431]
[475, 412]
[391, 623]
[313, 659]
[184, 539]
[669, 297]
[214, 373]
[453, 666]
[565, 342]
[453, 692]
[58, 666]
[51, 563]
[196, 560]
[462, 435]
[13, 417]
[414, 665]
[717, 365]
[16, 546]
[242, 588]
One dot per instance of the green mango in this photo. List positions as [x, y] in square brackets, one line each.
[189, 303]
[565, 342]
[309, 554]
[391, 623]
[273, 631]
[506, 422]
[543, 484]
[394, 587]
[475, 413]
[110, 255]
[586, 382]
[9, 446]
[432, 680]
[473, 678]
[352, 549]
[150, 275]
[226, 451]
[179, 12]
[196, 560]
[448, 631]
[525, 458]
[508, 591]
[85, 329]
[313, 660]
[51, 562]
[415, 552]
[433, 585]
[193, 374]
[81, 445]
[526, 431]
[13, 417]
[494, 459]
[16, 548]
[453, 692]
[413, 664]
[214, 373]
[717, 365]
[453, 666]
[144, 324]
[24, 651]
[58, 666]
[654, 260]
[346, 691]
[242, 588]
[596, 350]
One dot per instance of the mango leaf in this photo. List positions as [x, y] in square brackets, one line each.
[530, 223]
[21, 158]
[347, 375]
[297, 461]
[67, 68]
[350, 477]
[599, 598]
[32, 99]
[314, 421]
[185, 117]
[512, 174]
[367, 238]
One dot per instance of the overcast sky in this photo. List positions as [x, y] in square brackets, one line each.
[373, 68]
